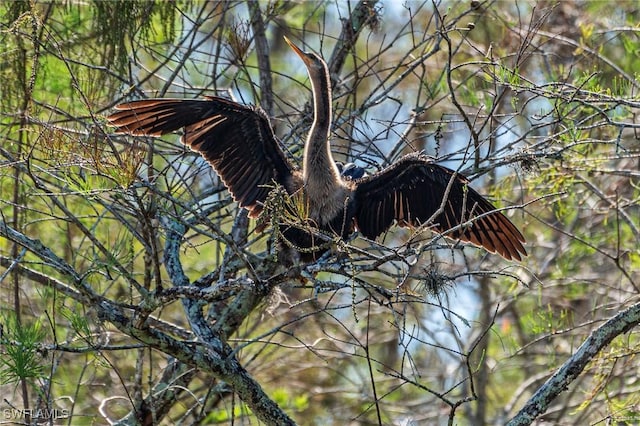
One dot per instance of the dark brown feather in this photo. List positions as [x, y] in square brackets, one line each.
[412, 190]
[237, 141]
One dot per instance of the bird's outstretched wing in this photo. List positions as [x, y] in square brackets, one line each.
[412, 190]
[237, 140]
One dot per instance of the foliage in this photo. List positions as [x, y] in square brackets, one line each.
[21, 360]
[135, 290]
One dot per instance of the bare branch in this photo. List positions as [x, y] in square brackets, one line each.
[571, 369]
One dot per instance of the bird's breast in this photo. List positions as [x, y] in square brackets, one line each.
[326, 205]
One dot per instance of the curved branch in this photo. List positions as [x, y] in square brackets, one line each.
[571, 369]
[214, 359]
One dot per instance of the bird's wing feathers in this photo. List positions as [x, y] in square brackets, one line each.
[236, 140]
[412, 190]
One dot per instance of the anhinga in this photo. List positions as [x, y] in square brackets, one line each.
[239, 143]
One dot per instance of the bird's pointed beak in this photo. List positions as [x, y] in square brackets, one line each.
[303, 55]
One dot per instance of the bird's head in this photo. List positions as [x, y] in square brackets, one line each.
[312, 60]
[349, 171]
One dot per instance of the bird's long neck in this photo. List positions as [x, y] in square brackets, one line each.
[321, 176]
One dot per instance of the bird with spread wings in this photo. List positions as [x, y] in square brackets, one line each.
[238, 141]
